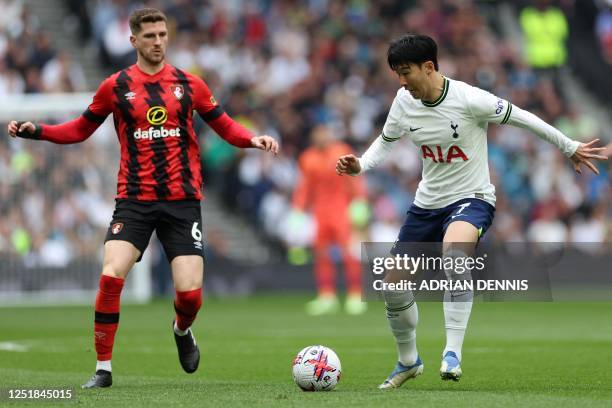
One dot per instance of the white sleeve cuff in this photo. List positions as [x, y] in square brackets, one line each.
[361, 167]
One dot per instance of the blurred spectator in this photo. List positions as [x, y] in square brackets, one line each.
[61, 75]
[545, 28]
[603, 29]
[116, 45]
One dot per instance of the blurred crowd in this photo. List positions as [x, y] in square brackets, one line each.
[603, 28]
[54, 201]
[28, 61]
[282, 67]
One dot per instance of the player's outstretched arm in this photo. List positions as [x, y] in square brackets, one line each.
[265, 143]
[236, 134]
[74, 131]
[226, 127]
[578, 153]
[348, 164]
[585, 153]
[376, 153]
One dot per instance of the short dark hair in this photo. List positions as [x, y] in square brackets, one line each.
[412, 48]
[145, 15]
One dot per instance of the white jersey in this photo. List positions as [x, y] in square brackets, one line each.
[451, 135]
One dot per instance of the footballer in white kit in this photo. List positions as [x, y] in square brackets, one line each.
[455, 201]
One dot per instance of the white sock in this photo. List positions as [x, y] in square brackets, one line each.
[104, 365]
[179, 331]
[403, 317]
[456, 316]
[457, 309]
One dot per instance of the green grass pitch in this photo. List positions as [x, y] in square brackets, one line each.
[515, 354]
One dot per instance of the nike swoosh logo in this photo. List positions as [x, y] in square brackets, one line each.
[415, 129]
[458, 215]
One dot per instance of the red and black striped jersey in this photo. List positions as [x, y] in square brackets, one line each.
[153, 117]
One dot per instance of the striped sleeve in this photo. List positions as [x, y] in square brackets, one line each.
[507, 115]
[102, 104]
[486, 107]
[81, 128]
[388, 139]
[204, 102]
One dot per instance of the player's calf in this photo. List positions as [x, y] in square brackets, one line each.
[187, 304]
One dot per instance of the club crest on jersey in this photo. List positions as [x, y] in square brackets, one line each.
[177, 91]
[116, 228]
[454, 126]
[130, 96]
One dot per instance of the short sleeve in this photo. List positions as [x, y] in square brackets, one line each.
[102, 105]
[204, 102]
[486, 107]
[392, 130]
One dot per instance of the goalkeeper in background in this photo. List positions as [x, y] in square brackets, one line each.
[330, 198]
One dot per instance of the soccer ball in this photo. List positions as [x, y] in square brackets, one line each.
[316, 368]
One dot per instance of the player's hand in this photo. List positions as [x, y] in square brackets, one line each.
[15, 127]
[585, 153]
[266, 143]
[348, 164]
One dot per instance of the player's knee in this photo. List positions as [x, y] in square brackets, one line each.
[111, 269]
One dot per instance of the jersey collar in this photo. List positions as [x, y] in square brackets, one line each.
[440, 98]
[152, 75]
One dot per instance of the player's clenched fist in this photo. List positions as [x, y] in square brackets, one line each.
[15, 128]
[266, 143]
[348, 164]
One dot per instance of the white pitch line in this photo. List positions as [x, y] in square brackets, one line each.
[10, 346]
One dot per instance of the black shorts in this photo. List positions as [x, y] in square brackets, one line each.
[178, 225]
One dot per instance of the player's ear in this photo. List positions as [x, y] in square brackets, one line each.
[133, 40]
[428, 67]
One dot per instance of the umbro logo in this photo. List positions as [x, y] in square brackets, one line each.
[415, 129]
